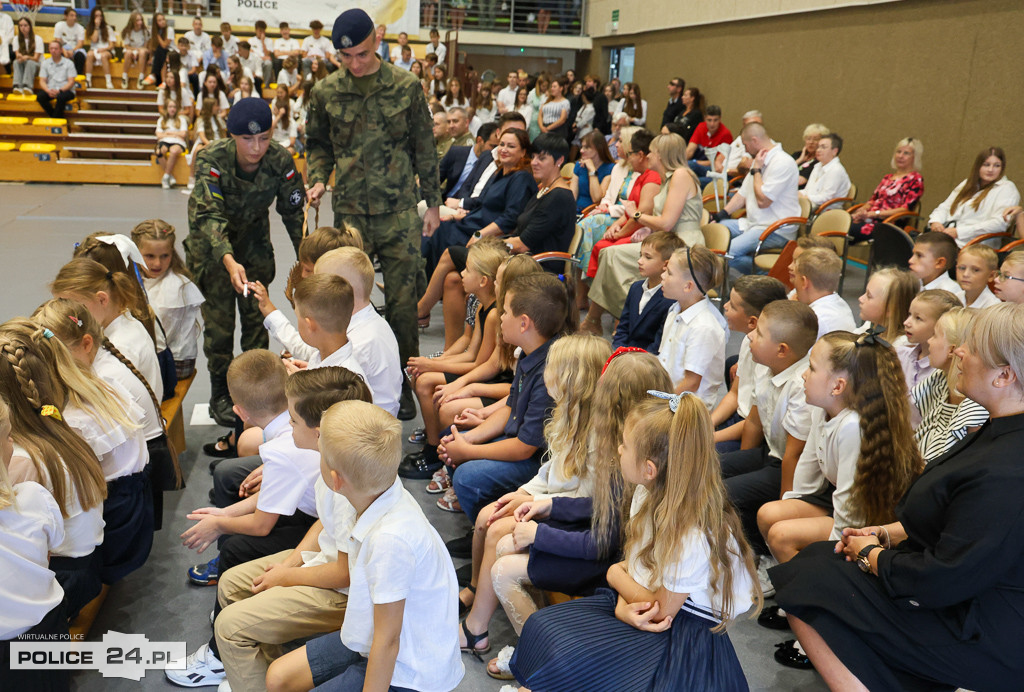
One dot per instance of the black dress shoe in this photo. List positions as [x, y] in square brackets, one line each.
[221, 411]
[213, 449]
[788, 655]
[406, 404]
[772, 619]
[419, 466]
[462, 547]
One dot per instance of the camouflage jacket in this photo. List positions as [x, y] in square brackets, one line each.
[376, 144]
[225, 210]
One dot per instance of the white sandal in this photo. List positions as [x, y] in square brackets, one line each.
[501, 663]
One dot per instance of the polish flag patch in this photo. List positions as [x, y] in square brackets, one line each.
[291, 174]
[214, 172]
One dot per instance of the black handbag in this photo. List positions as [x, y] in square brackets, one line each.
[168, 372]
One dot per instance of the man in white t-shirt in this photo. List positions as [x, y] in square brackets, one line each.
[829, 178]
[198, 40]
[507, 96]
[396, 50]
[769, 193]
[230, 42]
[318, 46]
[262, 49]
[285, 47]
[436, 47]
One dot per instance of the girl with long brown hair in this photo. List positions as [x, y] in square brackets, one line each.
[976, 205]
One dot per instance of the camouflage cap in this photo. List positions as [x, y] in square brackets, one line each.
[351, 28]
[250, 116]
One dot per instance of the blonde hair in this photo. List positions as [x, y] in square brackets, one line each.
[486, 256]
[571, 374]
[686, 496]
[625, 382]
[326, 298]
[702, 265]
[6, 489]
[954, 324]
[351, 264]
[256, 382]
[99, 266]
[816, 130]
[940, 301]
[671, 149]
[821, 267]
[158, 230]
[900, 291]
[984, 253]
[996, 335]
[915, 144]
[1016, 258]
[29, 380]
[327, 238]
[363, 443]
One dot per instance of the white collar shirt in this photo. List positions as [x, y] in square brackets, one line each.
[694, 340]
[375, 349]
[394, 554]
[827, 182]
[834, 314]
[987, 218]
[782, 407]
[779, 183]
[985, 299]
[648, 293]
[944, 283]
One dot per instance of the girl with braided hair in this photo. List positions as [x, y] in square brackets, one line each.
[79, 331]
[860, 458]
[50, 452]
[104, 415]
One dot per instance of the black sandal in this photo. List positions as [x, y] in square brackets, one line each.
[472, 639]
[213, 449]
[463, 608]
[772, 619]
[788, 655]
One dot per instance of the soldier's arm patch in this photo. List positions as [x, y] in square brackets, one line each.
[214, 190]
[290, 175]
[214, 172]
[295, 198]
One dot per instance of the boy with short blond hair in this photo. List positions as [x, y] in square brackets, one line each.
[933, 256]
[816, 274]
[402, 586]
[643, 314]
[976, 266]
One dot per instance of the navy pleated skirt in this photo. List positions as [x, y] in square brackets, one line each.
[581, 646]
[128, 534]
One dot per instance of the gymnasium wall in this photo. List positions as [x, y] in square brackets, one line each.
[950, 73]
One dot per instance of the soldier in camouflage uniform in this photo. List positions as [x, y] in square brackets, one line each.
[369, 123]
[228, 244]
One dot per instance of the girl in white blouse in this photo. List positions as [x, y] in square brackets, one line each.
[101, 38]
[135, 41]
[976, 205]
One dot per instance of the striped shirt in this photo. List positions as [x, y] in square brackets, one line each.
[943, 424]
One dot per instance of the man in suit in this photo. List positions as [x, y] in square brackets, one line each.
[675, 107]
[459, 165]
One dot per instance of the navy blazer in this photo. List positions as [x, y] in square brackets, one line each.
[641, 330]
[451, 167]
[464, 192]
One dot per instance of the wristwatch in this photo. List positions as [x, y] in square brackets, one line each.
[862, 556]
[636, 215]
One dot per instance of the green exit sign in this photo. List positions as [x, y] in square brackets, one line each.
[615, 15]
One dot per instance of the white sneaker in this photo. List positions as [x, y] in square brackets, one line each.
[110, 83]
[165, 182]
[211, 617]
[763, 565]
[201, 669]
[224, 687]
[124, 80]
[191, 183]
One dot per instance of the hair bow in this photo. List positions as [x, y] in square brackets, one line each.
[618, 352]
[873, 337]
[50, 411]
[77, 322]
[672, 399]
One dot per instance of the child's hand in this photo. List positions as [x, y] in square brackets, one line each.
[260, 293]
[293, 365]
[458, 449]
[275, 575]
[641, 616]
[524, 534]
[449, 392]
[206, 531]
[469, 418]
[420, 365]
[534, 509]
[251, 484]
[507, 504]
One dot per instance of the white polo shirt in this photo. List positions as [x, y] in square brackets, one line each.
[29, 530]
[288, 474]
[782, 407]
[833, 314]
[694, 339]
[943, 282]
[747, 372]
[779, 183]
[338, 516]
[827, 182]
[394, 554]
[375, 349]
[319, 47]
[985, 299]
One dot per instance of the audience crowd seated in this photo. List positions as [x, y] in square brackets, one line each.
[666, 491]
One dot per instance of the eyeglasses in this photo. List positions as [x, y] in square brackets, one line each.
[1003, 276]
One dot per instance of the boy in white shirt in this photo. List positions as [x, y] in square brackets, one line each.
[198, 40]
[286, 47]
[829, 178]
[933, 256]
[816, 274]
[318, 46]
[230, 42]
[776, 430]
[256, 618]
[976, 266]
[400, 624]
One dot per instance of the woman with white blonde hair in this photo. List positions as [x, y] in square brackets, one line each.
[806, 158]
[897, 192]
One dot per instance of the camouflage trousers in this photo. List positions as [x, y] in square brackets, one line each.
[395, 239]
[219, 313]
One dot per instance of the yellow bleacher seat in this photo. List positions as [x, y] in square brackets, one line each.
[37, 147]
[21, 97]
[13, 120]
[6, 146]
[49, 122]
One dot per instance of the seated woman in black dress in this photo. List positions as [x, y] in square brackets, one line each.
[496, 209]
[546, 223]
[936, 599]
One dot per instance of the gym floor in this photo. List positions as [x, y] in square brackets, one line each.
[39, 225]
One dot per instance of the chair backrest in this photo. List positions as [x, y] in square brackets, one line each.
[805, 206]
[890, 247]
[567, 171]
[780, 270]
[833, 220]
[705, 217]
[709, 189]
[716, 236]
[574, 244]
[852, 193]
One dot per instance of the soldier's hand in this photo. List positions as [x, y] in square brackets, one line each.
[236, 272]
[431, 220]
[314, 194]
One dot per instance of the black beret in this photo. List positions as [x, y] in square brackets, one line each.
[250, 116]
[351, 28]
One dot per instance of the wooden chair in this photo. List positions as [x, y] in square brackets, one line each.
[764, 261]
[988, 236]
[1005, 250]
[780, 270]
[717, 239]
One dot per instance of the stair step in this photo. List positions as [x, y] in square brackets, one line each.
[113, 137]
[134, 116]
[106, 162]
[106, 103]
[138, 128]
[117, 93]
[81, 151]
